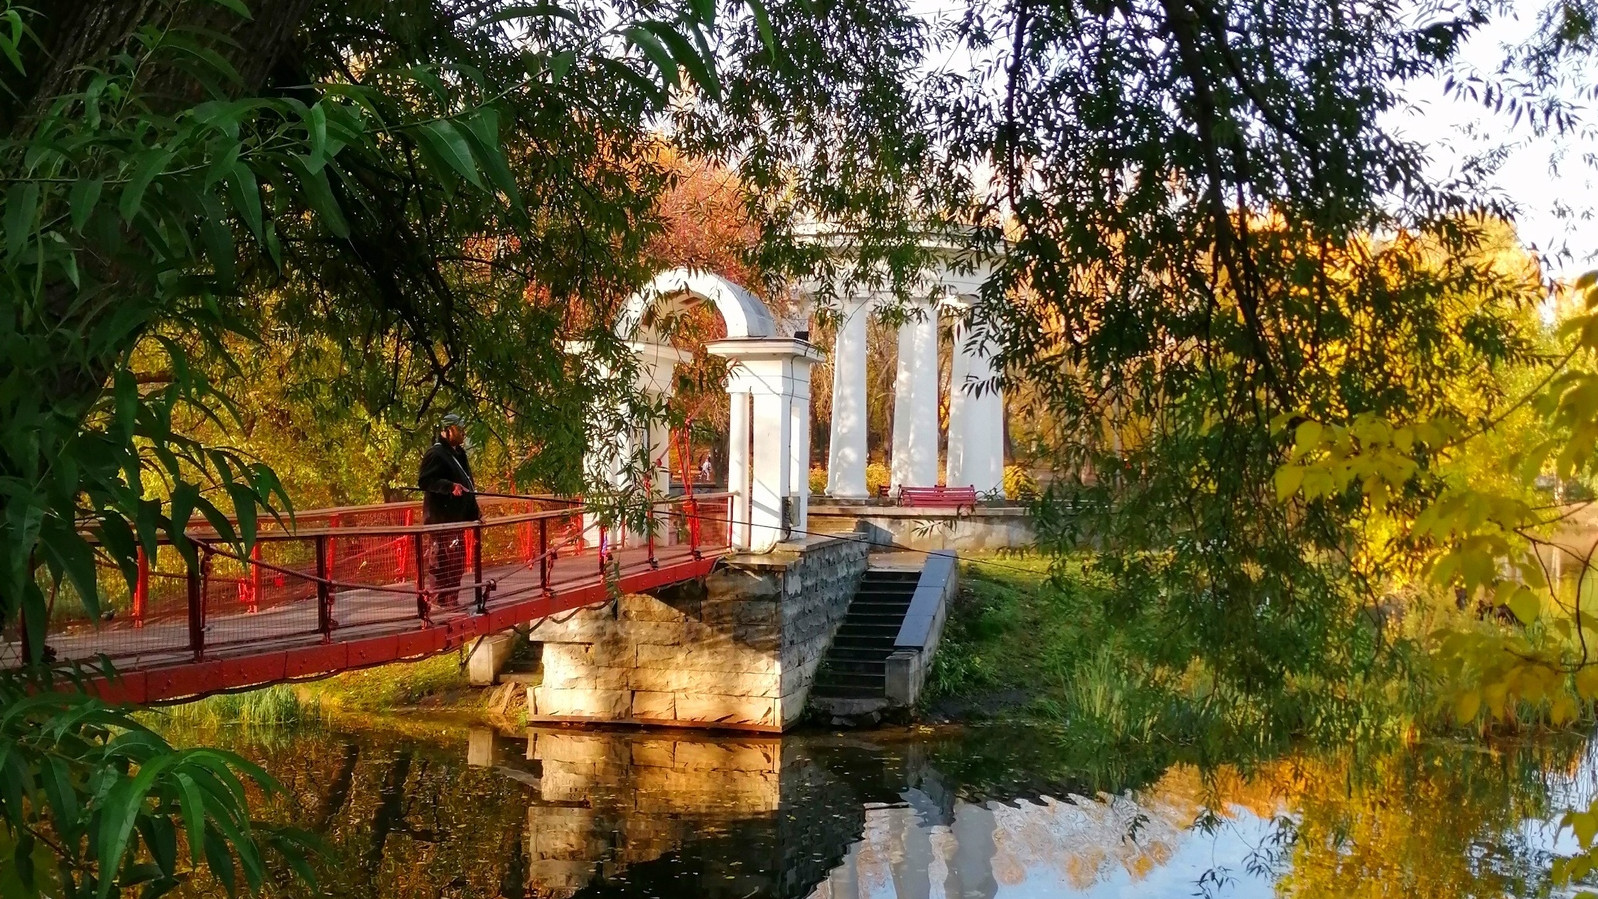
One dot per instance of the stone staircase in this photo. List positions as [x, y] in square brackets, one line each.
[854, 667]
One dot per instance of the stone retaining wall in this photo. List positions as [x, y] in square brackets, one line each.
[928, 528]
[738, 651]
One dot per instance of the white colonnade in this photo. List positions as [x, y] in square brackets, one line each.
[975, 450]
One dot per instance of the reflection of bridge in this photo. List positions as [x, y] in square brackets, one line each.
[348, 588]
[629, 814]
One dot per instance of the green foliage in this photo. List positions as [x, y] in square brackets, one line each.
[182, 203]
[97, 805]
[162, 191]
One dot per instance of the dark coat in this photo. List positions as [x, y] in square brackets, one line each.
[443, 467]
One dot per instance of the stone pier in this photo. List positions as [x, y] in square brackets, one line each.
[738, 651]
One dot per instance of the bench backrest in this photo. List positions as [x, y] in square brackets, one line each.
[938, 495]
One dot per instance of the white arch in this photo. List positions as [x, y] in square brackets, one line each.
[745, 314]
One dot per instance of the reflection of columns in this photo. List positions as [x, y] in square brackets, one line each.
[971, 868]
[774, 373]
[976, 418]
[915, 405]
[843, 882]
[846, 454]
[912, 853]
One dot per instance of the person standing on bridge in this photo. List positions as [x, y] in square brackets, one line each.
[448, 495]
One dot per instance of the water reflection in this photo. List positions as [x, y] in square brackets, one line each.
[569, 813]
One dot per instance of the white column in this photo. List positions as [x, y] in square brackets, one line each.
[771, 466]
[982, 444]
[775, 372]
[609, 463]
[959, 370]
[903, 389]
[846, 453]
[922, 429]
[738, 466]
[799, 453]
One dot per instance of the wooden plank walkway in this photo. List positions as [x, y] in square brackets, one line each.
[156, 663]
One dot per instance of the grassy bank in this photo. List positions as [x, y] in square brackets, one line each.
[437, 685]
[434, 689]
[1017, 633]
[1028, 640]
[278, 706]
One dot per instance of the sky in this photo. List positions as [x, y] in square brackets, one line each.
[1455, 127]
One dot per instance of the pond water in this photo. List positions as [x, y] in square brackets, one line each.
[958, 814]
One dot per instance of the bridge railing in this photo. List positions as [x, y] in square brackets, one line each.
[355, 570]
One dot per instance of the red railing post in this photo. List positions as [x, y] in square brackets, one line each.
[475, 547]
[255, 578]
[421, 576]
[197, 603]
[404, 550]
[543, 554]
[324, 592]
[332, 550]
[649, 537]
[141, 589]
[690, 511]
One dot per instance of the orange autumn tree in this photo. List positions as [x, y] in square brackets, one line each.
[704, 224]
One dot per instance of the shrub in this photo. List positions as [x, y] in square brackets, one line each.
[1019, 483]
[818, 480]
[877, 475]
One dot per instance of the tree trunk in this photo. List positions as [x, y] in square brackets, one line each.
[78, 34]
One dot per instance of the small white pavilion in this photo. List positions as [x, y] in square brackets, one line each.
[768, 390]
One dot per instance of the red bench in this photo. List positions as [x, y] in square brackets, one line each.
[954, 497]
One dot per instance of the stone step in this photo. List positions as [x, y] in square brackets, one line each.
[868, 629]
[892, 574]
[877, 666]
[848, 693]
[879, 606]
[834, 679]
[865, 641]
[885, 590]
[859, 654]
[874, 617]
[907, 586]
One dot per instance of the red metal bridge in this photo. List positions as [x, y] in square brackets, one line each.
[348, 588]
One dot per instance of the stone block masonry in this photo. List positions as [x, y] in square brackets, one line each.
[739, 650]
[605, 805]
